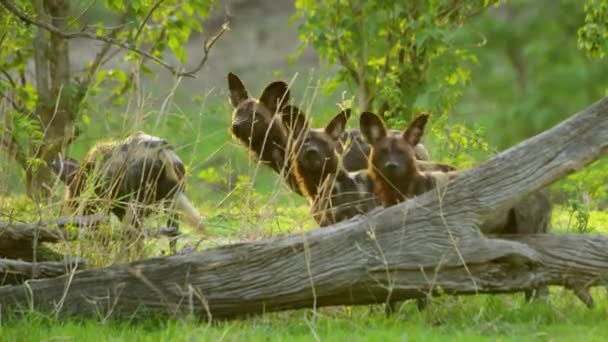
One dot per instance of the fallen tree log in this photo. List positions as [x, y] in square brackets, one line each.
[430, 242]
[17, 271]
[28, 232]
[25, 240]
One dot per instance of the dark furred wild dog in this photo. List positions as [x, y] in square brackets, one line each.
[396, 177]
[126, 177]
[256, 125]
[334, 194]
[357, 152]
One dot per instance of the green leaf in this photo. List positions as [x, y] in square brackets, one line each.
[186, 7]
[177, 48]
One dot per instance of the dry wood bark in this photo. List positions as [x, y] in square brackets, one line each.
[17, 271]
[24, 241]
[430, 242]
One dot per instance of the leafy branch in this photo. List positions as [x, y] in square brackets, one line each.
[122, 44]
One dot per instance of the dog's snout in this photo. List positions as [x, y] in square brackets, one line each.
[391, 166]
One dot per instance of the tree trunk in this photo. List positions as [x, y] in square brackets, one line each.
[428, 243]
[54, 108]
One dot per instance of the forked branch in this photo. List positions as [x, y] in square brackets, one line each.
[122, 44]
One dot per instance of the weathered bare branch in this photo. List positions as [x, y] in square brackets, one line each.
[29, 231]
[24, 241]
[45, 269]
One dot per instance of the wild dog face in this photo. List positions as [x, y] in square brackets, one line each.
[315, 154]
[254, 122]
[334, 194]
[356, 153]
[392, 162]
[396, 178]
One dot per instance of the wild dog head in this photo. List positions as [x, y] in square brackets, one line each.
[315, 151]
[254, 122]
[356, 153]
[392, 162]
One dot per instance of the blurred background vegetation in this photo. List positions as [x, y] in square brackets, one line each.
[492, 73]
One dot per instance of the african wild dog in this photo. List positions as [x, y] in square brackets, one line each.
[126, 177]
[256, 125]
[334, 193]
[356, 153]
[396, 177]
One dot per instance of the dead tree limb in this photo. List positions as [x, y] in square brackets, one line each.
[17, 271]
[428, 243]
[28, 231]
[20, 240]
[24, 241]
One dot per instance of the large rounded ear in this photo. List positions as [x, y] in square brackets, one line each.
[238, 92]
[337, 125]
[65, 168]
[416, 129]
[372, 127]
[294, 120]
[275, 96]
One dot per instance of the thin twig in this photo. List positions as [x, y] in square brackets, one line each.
[8, 76]
[22, 71]
[143, 23]
[209, 42]
[15, 105]
[2, 38]
[342, 57]
[83, 34]
[106, 28]
[13, 84]
[82, 13]
[102, 53]
[16, 11]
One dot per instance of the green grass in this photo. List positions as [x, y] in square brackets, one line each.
[259, 206]
[466, 318]
[504, 318]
